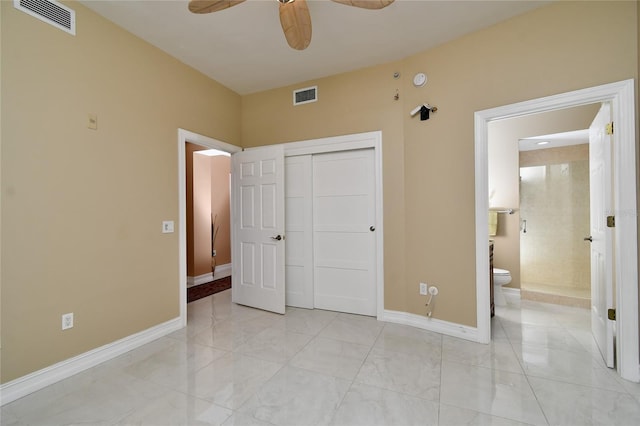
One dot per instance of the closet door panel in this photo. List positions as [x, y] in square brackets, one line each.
[298, 231]
[344, 244]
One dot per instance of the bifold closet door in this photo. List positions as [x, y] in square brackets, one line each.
[344, 232]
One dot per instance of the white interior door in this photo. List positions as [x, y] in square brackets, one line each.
[344, 232]
[258, 228]
[298, 225]
[601, 236]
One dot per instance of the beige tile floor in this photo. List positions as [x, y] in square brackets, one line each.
[234, 365]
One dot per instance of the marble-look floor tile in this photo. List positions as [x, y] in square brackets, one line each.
[567, 366]
[353, 329]
[174, 366]
[230, 335]
[369, 406]
[571, 317]
[587, 341]
[243, 419]
[497, 331]
[408, 340]
[332, 357]
[495, 392]
[305, 321]
[104, 401]
[348, 368]
[456, 416]
[526, 316]
[230, 380]
[120, 362]
[569, 404]
[222, 309]
[496, 355]
[176, 408]
[275, 345]
[412, 374]
[8, 418]
[544, 336]
[632, 388]
[297, 397]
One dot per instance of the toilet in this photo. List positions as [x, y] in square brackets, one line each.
[500, 277]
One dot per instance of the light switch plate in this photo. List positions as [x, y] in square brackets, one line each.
[167, 227]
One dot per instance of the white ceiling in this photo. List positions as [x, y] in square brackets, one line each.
[555, 140]
[244, 49]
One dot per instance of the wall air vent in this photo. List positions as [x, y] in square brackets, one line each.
[305, 96]
[51, 12]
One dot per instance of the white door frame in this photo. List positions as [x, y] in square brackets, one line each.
[621, 96]
[185, 136]
[349, 143]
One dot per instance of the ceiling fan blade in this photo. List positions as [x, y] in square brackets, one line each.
[208, 6]
[366, 4]
[296, 23]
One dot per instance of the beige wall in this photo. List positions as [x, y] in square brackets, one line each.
[220, 203]
[190, 148]
[201, 215]
[554, 200]
[82, 209]
[207, 193]
[429, 166]
[504, 173]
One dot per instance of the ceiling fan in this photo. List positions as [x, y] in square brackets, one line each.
[294, 15]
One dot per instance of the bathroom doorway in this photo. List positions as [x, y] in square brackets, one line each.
[554, 219]
[623, 255]
[538, 170]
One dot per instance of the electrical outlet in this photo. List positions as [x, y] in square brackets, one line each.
[423, 289]
[213, 253]
[67, 321]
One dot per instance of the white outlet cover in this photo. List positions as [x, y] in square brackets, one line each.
[423, 288]
[67, 321]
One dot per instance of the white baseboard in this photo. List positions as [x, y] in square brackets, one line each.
[432, 324]
[511, 291]
[222, 271]
[200, 279]
[37, 380]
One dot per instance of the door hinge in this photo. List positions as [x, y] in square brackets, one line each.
[611, 221]
[609, 128]
[611, 314]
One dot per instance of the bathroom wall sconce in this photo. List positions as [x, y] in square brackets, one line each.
[424, 111]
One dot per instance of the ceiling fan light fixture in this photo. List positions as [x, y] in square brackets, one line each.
[294, 15]
[296, 24]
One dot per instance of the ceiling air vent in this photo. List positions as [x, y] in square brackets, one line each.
[51, 12]
[305, 96]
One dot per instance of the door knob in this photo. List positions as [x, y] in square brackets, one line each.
[372, 228]
[277, 237]
[589, 238]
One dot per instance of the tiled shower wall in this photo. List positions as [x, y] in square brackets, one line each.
[554, 202]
